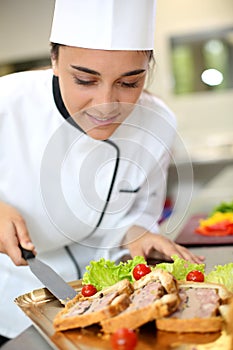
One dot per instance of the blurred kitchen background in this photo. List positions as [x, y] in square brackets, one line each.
[193, 74]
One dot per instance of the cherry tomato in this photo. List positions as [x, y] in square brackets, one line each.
[195, 276]
[88, 290]
[141, 270]
[124, 339]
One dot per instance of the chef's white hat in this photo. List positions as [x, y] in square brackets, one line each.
[104, 24]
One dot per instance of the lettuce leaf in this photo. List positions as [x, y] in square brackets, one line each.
[104, 273]
[224, 207]
[180, 267]
[222, 274]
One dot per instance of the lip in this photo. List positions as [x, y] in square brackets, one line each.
[102, 121]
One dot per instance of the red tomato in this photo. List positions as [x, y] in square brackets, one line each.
[195, 276]
[124, 339]
[141, 270]
[88, 290]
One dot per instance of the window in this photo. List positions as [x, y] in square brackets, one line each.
[202, 61]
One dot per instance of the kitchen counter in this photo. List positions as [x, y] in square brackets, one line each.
[219, 189]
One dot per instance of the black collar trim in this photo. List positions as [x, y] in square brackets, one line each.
[58, 99]
[60, 104]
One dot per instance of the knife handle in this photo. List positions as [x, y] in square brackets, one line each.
[26, 254]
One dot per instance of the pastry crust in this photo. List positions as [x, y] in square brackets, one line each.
[132, 305]
[167, 280]
[224, 294]
[133, 319]
[186, 324]
[193, 325]
[82, 312]
[155, 295]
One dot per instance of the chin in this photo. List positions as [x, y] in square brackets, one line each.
[101, 134]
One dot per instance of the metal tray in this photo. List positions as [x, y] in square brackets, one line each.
[41, 307]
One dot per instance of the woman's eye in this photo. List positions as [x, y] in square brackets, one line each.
[83, 82]
[129, 85]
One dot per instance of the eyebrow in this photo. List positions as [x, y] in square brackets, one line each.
[133, 72]
[91, 71]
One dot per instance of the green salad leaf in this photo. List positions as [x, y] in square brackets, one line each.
[222, 274]
[180, 267]
[224, 207]
[104, 273]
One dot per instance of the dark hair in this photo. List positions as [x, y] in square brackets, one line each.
[54, 51]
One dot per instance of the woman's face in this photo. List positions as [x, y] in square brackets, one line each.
[98, 87]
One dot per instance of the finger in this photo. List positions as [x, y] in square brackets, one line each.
[186, 254]
[10, 243]
[169, 248]
[198, 259]
[164, 246]
[15, 254]
[136, 250]
[23, 234]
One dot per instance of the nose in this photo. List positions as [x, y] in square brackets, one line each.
[105, 95]
[105, 101]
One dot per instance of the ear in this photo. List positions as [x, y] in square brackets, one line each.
[54, 66]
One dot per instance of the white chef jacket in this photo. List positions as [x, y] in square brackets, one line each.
[74, 191]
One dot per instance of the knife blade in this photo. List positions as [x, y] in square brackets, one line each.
[50, 279]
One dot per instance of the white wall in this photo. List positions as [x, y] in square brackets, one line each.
[24, 29]
[201, 116]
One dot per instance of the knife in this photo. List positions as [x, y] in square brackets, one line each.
[50, 279]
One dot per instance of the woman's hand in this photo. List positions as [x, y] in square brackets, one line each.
[13, 231]
[144, 243]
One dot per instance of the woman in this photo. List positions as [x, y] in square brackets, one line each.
[84, 153]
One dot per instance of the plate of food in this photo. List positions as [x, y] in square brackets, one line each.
[215, 228]
[132, 305]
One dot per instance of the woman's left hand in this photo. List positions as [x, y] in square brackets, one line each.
[144, 243]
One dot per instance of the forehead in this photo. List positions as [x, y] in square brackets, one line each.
[101, 59]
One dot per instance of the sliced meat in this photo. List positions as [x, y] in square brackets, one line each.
[148, 302]
[145, 296]
[101, 302]
[79, 308]
[197, 302]
[88, 306]
[85, 311]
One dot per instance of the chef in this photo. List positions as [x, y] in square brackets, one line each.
[84, 150]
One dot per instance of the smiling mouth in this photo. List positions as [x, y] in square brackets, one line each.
[101, 120]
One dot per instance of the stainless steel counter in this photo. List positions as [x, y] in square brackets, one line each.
[217, 190]
[29, 339]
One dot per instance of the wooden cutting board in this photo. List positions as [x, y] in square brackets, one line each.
[187, 236]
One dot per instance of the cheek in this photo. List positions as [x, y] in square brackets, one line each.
[131, 96]
[73, 99]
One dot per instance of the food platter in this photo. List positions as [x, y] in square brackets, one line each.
[189, 238]
[41, 307]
